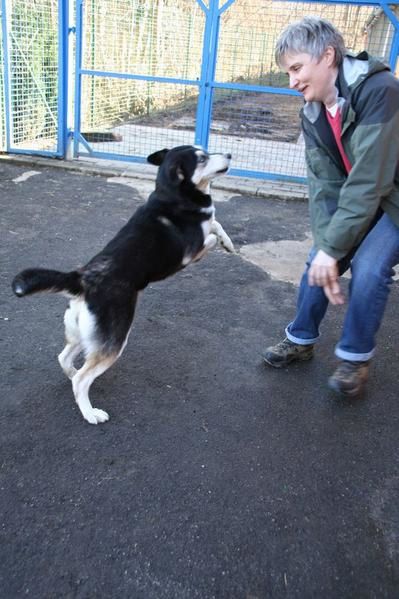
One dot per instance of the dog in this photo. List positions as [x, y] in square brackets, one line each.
[174, 227]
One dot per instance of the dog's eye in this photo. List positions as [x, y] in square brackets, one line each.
[201, 159]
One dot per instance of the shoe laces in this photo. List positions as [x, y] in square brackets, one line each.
[286, 343]
[347, 367]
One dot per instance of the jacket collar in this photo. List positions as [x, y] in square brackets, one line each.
[352, 72]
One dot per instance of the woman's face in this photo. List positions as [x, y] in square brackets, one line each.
[313, 78]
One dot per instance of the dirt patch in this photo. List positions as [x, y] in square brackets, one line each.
[245, 114]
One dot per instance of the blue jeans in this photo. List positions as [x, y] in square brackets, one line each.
[372, 270]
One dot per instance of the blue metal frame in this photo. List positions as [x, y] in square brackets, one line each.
[211, 84]
[209, 53]
[63, 69]
[206, 83]
[204, 104]
[393, 56]
[62, 100]
[78, 79]
[8, 115]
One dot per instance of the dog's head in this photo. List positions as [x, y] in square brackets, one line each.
[189, 165]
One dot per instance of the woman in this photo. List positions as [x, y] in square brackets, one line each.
[350, 123]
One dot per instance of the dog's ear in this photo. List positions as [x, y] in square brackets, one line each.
[177, 171]
[182, 167]
[157, 157]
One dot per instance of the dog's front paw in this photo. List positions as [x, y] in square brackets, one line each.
[227, 244]
[96, 416]
[222, 236]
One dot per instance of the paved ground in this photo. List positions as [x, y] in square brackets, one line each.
[216, 477]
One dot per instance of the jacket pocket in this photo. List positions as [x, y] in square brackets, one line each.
[323, 167]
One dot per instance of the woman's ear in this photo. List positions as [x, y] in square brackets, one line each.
[329, 55]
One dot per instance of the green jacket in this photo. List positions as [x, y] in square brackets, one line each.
[342, 207]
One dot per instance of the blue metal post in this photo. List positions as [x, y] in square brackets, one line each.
[203, 77]
[214, 17]
[6, 59]
[394, 52]
[393, 58]
[209, 59]
[62, 104]
[78, 76]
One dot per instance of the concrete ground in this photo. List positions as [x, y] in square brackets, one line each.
[216, 476]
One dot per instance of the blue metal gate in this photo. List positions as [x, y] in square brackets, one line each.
[230, 97]
[34, 85]
[156, 73]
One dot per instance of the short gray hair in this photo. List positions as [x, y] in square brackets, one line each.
[311, 35]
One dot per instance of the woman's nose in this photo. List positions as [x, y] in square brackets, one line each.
[293, 81]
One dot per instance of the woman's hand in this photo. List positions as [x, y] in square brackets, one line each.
[323, 272]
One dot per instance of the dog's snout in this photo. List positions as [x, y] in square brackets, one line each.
[228, 156]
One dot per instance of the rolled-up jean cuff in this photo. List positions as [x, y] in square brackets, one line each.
[351, 357]
[297, 340]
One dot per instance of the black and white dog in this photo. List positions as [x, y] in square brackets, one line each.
[174, 227]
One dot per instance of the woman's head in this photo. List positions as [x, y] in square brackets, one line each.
[311, 35]
[310, 51]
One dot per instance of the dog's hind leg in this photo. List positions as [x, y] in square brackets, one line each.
[103, 335]
[94, 366]
[73, 346]
[67, 357]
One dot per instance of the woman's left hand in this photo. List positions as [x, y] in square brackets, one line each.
[323, 272]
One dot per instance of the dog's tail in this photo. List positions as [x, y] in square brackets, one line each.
[36, 280]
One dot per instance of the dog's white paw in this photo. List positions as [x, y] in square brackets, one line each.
[227, 244]
[96, 416]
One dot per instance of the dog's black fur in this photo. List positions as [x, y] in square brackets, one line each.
[174, 227]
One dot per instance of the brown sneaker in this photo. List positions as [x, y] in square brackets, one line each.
[349, 378]
[285, 352]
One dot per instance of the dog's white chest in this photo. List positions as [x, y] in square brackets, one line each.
[206, 227]
[207, 224]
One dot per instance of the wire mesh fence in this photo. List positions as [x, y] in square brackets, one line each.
[144, 37]
[264, 128]
[32, 60]
[2, 100]
[136, 38]
[157, 73]
[147, 115]
[251, 114]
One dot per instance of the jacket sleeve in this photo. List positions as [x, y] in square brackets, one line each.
[325, 180]
[374, 154]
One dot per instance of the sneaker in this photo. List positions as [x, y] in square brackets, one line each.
[349, 378]
[285, 352]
